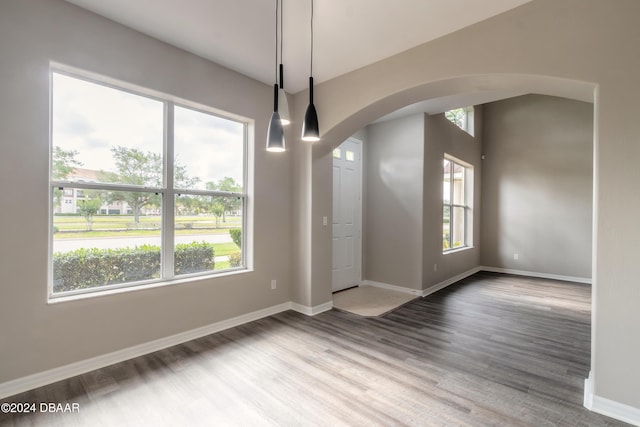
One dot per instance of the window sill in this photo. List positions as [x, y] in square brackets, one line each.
[456, 250]
[55, 299]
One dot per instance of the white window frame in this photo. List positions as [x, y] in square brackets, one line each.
[467, 207]
[167, 191]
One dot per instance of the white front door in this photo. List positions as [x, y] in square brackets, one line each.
[347, 206]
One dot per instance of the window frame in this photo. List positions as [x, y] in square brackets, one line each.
[167, 190]
[467, 123]
[467, 206]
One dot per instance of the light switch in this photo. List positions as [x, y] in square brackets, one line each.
[324, 221]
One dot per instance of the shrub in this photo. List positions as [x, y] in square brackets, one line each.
[235, 259]
[89, 268]
[236, 236]
[193, 258]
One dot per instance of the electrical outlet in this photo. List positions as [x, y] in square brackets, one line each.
[516, 256]
[325, 221]
[273, 284]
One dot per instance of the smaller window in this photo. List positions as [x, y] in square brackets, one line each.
[461, 117]
[350, 156]
[337, 153]
[457, 190]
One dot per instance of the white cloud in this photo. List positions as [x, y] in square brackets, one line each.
[91, 119]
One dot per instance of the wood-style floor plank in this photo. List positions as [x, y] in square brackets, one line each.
[491, 350]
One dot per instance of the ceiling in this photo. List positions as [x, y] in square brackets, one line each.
[348, 34]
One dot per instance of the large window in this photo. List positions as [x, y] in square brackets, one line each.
[143, 189]
[457, 189]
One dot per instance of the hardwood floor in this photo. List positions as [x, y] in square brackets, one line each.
[491, 350]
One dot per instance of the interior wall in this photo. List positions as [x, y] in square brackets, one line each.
[392, 203]
[39, 336]
[538, 185]
[402, 204]
[580, 49]
[442, 136]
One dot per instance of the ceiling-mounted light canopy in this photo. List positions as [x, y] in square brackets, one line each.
[310, 128]
[275, 133]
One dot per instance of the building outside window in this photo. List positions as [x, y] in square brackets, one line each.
[143, 189]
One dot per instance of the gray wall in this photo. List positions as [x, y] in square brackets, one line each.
[582, 49]
[538, 185]
[402, 205]
[392, 204]
[442, 136]
[38, 336]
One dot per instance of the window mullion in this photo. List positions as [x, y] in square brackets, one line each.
[168, 205]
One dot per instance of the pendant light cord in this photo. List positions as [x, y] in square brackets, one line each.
[281, 41]
[281, 25]
[276, 40]
[311, 71]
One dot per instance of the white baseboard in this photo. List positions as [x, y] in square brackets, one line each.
[609, 408]
[422, 292]
[588, 392]
[312, 311]
[40, 379]
[402, 289]
[616, 410]
[449, 281]
[535, 274]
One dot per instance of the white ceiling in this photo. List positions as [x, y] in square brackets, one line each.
[348, 34]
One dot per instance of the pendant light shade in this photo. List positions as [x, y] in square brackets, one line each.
[310, 128]
[283, 107]
[275, 132]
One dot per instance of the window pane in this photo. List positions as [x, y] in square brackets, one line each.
[101, 134]
[457, 116]
[446, 222]
[209, 151]
[350, 156]
[458, 184]
[446, 182]
[457, 227]
[208, 233]
[337, 153]
[105, 238]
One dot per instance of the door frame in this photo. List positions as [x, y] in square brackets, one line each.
[359, 243]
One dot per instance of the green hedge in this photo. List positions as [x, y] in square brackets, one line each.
[193, 258]
[236, 236]
[89, 268]
[235, 259]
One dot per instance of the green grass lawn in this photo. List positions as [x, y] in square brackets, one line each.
[224, 249]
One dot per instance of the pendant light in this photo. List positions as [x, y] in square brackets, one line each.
[310, 128]
[275, 133]
[283, 105]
